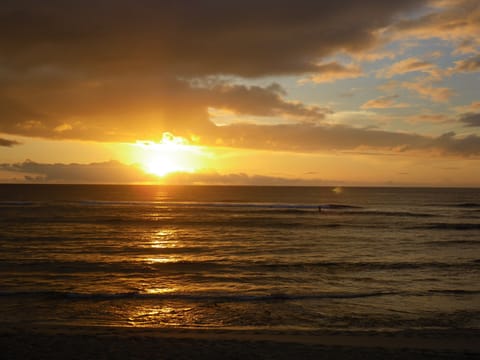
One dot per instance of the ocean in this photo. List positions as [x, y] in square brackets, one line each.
[266, 258]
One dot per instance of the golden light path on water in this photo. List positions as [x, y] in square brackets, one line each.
[162, 239]
[179, 297]
[163, 313]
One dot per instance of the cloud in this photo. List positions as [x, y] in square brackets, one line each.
[8, 143]
[467, 46]
[471, 64]
[122, 70]
[472, 107]
[384, 102]
[449, 143]
[411, 64]
[470, 119]
[429, 118]
[112, 172]
[245, 38]
[332, 71]
[453, 20]
[389, 86]
[317, 138]
[267, 101]
[425, 89]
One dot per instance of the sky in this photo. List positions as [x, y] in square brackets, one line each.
[264, 92]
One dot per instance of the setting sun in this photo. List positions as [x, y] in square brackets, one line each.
[171, 154]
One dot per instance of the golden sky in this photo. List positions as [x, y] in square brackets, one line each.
[265, 92]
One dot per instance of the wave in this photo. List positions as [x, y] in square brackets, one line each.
[467, 205]
[455, 292]
[18, 203]
[186, 204]
[218, 267]
[393, 213]
[209, 297]
[338, 206]
[453, 242]
[215, 297]
[449, 226]
[76, 212]
[358, 266]
[195, 204]
[221, 204]
[117, 267]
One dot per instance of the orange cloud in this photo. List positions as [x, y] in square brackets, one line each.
[454, 20]
[406, 66]
[471, 64]
[424, 88]
[429, 118]
[472, 107]
[384, 102]
[332, 71]
[467, 46]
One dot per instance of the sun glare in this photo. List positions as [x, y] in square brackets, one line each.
[171, 154]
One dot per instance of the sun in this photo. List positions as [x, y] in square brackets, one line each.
[169, 155]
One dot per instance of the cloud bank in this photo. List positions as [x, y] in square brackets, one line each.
[317, 138]
[114, 172]
[104, 172]
[110, 70]
[125, 70]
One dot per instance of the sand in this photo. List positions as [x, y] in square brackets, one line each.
[63, 342]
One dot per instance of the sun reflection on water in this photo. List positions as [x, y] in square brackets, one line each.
[161, 290]
[164, 239]
[161, 260]
[160, 316]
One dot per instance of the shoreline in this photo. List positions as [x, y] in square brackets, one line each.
[81, 342]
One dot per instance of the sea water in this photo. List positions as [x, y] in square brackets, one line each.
[287, 258]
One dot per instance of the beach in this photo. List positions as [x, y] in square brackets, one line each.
[63, 342]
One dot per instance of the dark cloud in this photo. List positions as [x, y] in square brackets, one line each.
[314, 138]
[246, 38]
[333, 71]
[470, 119]
[8, 143]
[449, 143]
[106, 172]
[123, 70]
[114, 172]
[268, 101]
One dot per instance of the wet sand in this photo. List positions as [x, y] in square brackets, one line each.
[50, 342]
